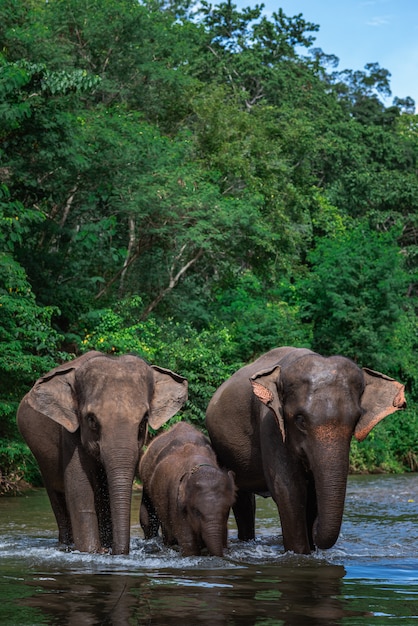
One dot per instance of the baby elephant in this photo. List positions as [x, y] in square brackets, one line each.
[186, 492]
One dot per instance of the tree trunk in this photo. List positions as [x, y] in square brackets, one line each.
[174, 279]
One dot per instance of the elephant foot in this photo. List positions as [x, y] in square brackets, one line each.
[65, 547]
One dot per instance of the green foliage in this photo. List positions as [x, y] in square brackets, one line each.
[15, 221]
[354, 295]
[260, 321]
[204, 358]
[17, 463]
[29, 347]
[179, 180]
[405, 345]
[391, 446]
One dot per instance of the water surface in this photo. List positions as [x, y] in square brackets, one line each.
[369, 577]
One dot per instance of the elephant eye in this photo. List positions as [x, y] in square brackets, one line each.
[301, 423]
[92, 421]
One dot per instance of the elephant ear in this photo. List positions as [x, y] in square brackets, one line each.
[53, 394]
[182, 492]
[170, 393]
[382, 396]
[264, 384]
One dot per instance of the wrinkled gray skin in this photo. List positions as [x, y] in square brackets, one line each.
[85, 422]
[283, 424]
[185, 492]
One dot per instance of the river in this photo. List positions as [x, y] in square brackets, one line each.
[370, 577]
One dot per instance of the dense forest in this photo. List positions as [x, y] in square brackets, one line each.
[197, 184]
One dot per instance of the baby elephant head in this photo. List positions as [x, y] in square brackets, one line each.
[206, 495]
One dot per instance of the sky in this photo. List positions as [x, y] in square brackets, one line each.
[363, 31]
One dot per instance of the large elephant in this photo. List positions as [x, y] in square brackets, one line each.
[185, 492]
[85, 422]
[283, 424]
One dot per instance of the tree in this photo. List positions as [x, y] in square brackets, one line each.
[29, 345]
[189, 158]
[355, 295]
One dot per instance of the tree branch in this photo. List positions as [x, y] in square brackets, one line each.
[126, 262]
[174, 279]
[114, 278]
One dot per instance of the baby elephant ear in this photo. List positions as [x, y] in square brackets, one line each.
[382, 396]
[170, 393]
[53, 394]
[264, 384]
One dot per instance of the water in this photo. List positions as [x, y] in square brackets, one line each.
[370, 577]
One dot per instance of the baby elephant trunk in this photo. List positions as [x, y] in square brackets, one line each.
[214, 538]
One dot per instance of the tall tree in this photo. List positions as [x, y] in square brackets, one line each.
[355, 295]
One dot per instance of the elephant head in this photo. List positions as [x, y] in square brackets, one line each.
[103, 405]
[319, 404]
[205, 497]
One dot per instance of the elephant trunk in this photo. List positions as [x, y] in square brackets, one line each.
[213, 538]
[330, 486]
[120, 468]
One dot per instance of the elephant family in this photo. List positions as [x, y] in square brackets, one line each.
[185, 492]
[283, 424]
[85, 422]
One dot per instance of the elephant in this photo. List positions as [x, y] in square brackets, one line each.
[185, 492]
[283, 424]
[85, 422]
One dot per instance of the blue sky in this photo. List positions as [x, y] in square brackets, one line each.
[363, 31]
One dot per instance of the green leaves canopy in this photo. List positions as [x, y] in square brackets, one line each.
[199, 166]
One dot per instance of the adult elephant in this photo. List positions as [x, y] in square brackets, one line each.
[85, 422]
[283, 424]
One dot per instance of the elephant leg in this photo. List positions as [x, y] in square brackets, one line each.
[44, 439]
[189, 547]
[187, 540]
[168, 537]
[286, 481]
[291, 502]
[148, 517]
[290, 493]
[59, 507]
[80, 496]
[244, 512]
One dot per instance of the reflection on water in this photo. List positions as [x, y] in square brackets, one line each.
[294, 596]
[369, 577]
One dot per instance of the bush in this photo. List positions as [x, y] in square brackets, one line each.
[392, 446]
[17, 464]
[355, 295]
[28, 348]
[206, 358]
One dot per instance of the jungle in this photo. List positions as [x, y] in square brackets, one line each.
[197, 183]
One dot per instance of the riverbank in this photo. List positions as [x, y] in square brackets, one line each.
[13, 485]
